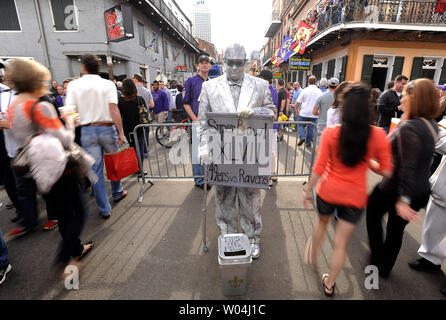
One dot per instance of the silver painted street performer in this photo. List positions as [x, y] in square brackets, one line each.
[235, 92]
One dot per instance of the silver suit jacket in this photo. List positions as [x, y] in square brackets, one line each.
[438, 179]
[216, 97]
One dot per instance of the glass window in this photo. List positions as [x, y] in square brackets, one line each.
[142, 40]
[9, 19]
[64, 15]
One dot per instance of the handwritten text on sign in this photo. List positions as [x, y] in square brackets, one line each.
[240, 150]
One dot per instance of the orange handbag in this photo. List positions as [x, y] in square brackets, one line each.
[121, 164]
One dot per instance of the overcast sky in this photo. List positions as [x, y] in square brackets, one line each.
[242, 21]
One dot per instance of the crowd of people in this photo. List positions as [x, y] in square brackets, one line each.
[354, 134]
[97, 114]
[399, 134]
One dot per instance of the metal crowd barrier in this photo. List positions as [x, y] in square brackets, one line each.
[155, 142]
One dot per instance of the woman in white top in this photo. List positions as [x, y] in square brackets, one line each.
[334, 113]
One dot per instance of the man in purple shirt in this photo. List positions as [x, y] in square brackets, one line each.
[268, 76]
[161, 103]
[191, 102]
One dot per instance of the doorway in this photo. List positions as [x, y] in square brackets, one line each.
[428, 73]
[379, 78]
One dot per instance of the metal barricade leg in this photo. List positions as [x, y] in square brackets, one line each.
[140, 155]
[206, 168]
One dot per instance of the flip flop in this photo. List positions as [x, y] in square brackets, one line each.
[85, 252]
[332, 289]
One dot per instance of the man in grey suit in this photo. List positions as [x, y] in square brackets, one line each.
[235, 92]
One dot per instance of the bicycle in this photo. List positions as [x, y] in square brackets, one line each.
[163, 133]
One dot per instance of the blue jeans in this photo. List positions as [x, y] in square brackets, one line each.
[386, 129]
[198, 170]
[26, 194]
[4, 262]
[27, 189]
[97, 141]
[308, 136]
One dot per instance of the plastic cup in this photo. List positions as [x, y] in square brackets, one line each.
[68, 110]
[393, 124]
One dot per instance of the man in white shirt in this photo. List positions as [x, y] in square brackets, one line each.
[171, 99]
[96, 100]
[304, 108]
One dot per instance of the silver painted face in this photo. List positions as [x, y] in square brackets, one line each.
[235, 61]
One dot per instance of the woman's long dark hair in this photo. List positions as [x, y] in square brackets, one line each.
[338, 93]
[129, 91]
[355, 129]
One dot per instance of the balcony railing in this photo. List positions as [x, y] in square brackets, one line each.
[168, 14]
[382, 12]
[275, 16]
[274, 24]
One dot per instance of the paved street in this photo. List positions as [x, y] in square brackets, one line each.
[153, 251]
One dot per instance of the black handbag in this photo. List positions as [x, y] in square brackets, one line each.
[142, 110]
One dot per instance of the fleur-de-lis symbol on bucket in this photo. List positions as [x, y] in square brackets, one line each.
[236, 282]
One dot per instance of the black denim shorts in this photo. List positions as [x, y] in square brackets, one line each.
[352, 215]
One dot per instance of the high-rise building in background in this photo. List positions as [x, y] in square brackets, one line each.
[201, 16]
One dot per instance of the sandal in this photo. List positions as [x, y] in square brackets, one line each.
[332, 289]
[307, 257]
[84, 253]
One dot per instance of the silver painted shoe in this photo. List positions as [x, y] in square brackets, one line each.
[255, 251]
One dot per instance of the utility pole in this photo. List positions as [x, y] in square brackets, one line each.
[43, 37]
[109, 62]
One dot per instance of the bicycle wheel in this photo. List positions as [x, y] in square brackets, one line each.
[162, 135]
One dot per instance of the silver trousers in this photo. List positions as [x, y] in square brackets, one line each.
[433, 238]
[230, 201]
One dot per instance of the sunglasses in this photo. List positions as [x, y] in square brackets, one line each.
[231, 63]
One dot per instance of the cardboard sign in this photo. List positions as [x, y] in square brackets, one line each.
[240, 150]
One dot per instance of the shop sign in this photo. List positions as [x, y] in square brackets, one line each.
[119, 23]
[182, 68]
[300, 64]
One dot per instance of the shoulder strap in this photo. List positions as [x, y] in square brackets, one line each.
[36, 127]
[431, 129]
[32, 110]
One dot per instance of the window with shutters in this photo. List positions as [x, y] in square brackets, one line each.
[343, 70]
[331, 68]
[428, 67]
[142, 39]
[9, 16]
[64, 15]
[317, 71]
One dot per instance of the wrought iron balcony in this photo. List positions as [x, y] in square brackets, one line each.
[168, 16]
[402, 12]
[274, 24]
